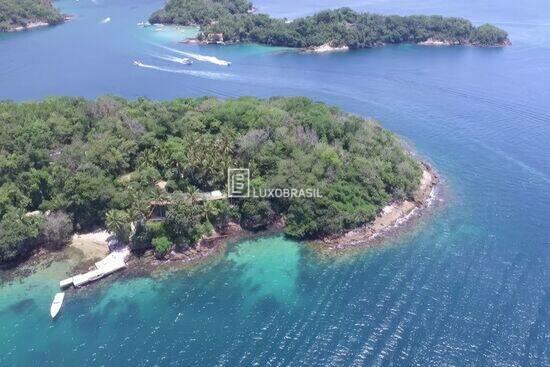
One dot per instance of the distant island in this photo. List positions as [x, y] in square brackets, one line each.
[235, 21]
[155, 173]
[17, 15]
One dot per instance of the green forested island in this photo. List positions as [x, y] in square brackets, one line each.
[235, 21]
[70, 164]
[19, 14]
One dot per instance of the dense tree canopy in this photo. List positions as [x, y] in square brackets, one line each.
[197, 12]
[100, 163]
[19, 13]
[340, 27]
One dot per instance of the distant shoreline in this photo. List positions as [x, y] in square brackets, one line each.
[28, 26]
[38, 24]
[27, 15]
[327, 48]
[236, 21]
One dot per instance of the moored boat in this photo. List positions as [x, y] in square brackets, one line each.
[56, 304]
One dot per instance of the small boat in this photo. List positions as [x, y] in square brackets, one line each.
[106, 20]
[137, 63]
[56, 304]
[183, 60]
[144, 24]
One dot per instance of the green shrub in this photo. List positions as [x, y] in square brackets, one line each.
[183, 220]
[18, 235]
[142, 238]
[157, 229]
[162, 246]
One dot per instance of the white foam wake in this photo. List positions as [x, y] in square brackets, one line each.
[177, 60]
[200, 74]
[204, 58]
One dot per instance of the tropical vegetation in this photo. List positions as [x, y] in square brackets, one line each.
[20, 13]
[70, 164]
[236, 21]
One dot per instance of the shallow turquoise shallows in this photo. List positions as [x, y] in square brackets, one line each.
[469, 287]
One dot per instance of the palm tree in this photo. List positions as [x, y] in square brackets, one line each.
[119, 223]
[138, 210]
[209, 209]
[193, 193]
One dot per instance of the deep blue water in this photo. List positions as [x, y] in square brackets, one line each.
[469, 287]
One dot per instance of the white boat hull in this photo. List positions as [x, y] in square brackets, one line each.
[56, 304]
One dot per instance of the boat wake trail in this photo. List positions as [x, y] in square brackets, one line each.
[200, 74]
[177, 60]
[210, 59]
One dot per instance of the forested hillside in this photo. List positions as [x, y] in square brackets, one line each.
[21, 13]
[86, 164]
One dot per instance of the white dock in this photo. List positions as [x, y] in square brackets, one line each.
[66, 283]
[115, 261]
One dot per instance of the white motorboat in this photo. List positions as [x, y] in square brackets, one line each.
[56, 304]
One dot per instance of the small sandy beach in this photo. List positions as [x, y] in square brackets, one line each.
[93, 245]
[390, 217]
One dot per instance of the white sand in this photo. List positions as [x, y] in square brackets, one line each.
[93, 245]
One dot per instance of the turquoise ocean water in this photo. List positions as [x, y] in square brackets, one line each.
[469, 287]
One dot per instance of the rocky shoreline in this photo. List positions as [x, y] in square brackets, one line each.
[390, 218]
[443, 42]
[327, 47]
[38, 24]
[29, 26]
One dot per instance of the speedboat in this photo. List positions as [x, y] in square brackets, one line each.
[56, 304]
[183, 60]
